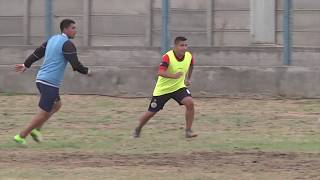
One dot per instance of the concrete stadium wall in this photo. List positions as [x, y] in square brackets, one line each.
[131, 72]
[120, 40]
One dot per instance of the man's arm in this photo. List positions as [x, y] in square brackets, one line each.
[188, 80]
[35, 56]
[166, 74]
[190, 68]
[70, 53]
[163, 69]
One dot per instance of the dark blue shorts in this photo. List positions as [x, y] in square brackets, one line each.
[49, 95]
[157, 102]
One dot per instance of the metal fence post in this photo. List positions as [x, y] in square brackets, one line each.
[48, 18]
[86, 22]
[209, 17]
[26, 22]
[165, 33]
[287, 35]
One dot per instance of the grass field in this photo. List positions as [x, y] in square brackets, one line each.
[90, 138]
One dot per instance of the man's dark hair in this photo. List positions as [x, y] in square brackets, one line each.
[179, 39]
[66, 23]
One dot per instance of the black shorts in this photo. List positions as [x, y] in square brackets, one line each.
[157, 102]
[48, 96]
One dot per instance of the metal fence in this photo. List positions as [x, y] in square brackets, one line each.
[212, 23]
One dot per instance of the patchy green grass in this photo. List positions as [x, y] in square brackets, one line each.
[238, 139]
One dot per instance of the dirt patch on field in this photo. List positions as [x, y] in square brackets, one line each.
[305, 164]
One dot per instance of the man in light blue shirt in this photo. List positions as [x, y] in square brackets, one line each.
[57, 52]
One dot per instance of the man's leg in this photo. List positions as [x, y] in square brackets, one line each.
[37, 121]
[156, 104]
[35, 133]
[143, 121]
[188, 103]
[56, 107]
[49, 95]
[183, 97]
